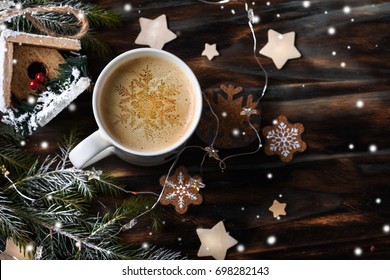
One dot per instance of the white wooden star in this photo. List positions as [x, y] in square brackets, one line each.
[215, 242]
[280, 47]
[93, 174]
[13, 252]
[154, 32]
[278, 209]
[210, 51]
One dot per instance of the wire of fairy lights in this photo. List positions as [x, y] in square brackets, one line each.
[210, 151]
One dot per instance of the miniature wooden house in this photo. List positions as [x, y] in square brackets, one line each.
[23, 55]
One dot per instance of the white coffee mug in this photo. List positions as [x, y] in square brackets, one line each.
[101, 144]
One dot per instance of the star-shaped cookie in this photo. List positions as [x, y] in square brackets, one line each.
[181, 190]
[215, 242]
[154, 32]
[280, 47]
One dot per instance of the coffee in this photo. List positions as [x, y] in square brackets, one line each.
[147, 104]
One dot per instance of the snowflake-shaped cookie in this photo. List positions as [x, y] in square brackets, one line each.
[181, 190]
[284, 139]
[234, 106]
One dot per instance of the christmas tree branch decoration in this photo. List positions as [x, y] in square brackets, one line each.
[46, 211]
[30, 14]
[12, 154]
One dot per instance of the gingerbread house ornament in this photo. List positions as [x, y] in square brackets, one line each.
[22, 55]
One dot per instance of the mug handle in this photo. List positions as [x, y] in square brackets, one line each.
[90, 150]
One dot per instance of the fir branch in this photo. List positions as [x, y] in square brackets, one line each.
[101, 18]
[12, 157]
[12, 154]
[10, 222]
[66, 144]
[86, 243]
[67, 24]
[92, 44]
[56, 217]
[163, 254]
[2, 243]
[107, 185]
[130, 208]
[62, 181]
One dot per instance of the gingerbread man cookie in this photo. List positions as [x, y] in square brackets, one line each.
[181, 190]
[284, 139]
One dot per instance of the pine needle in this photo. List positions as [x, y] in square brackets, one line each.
[12, 154]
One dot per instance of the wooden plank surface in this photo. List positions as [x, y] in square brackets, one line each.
[330, 190]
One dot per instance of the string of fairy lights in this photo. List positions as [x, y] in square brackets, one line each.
[210, 151]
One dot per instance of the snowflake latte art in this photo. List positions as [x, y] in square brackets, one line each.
[148, 104]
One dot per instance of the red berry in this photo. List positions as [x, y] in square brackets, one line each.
[40, 77]
[33, 85]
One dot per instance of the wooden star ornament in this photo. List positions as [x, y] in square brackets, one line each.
[278, 209]
[280, 47]
[215, 242]
[13, 252]
[210, 51]
[154, 32]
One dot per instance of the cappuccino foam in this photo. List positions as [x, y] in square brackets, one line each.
[147, 104]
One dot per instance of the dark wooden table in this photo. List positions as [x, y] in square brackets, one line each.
[331, 190]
